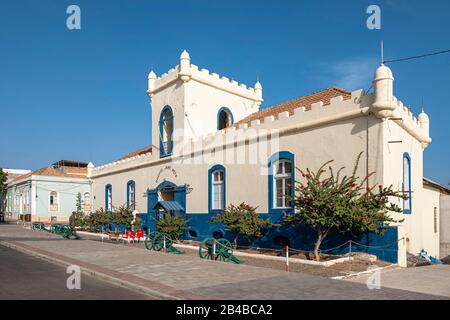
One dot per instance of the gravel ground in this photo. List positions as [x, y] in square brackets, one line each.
[339, 269]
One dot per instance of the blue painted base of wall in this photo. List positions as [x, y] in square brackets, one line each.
[300, 237]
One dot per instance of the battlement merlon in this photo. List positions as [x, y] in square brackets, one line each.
[185, 71]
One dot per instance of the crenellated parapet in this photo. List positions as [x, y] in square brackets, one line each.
[186, 71]
[302, 118]
[386, 106]
[122, 164]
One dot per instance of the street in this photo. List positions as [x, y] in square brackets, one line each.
[26, 277]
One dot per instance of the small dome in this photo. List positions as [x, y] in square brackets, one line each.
[383, 72]
[258, 85]
[423, 117]
[152, 75]
[185, 55]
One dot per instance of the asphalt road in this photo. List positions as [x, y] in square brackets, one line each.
[27, 277]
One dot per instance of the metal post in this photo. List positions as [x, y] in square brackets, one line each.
[214, 250]
[287, 258]
[350, 248]
[164, 243]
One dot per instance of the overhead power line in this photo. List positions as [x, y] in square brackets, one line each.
[418, 57]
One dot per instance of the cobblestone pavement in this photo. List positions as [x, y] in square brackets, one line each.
[186, 276]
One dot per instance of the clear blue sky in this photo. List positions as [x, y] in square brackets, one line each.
[82, 94]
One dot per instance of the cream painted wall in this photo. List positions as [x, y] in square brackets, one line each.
[418, 225]
[202, 104]
[444, 225]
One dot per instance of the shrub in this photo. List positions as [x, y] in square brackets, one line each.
[243, 220]
[122, 216]
[97, 219]
[172, 225]
[76, 220]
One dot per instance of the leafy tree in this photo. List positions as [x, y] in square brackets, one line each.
[3, 189]
[341, 204]
[122, 216]
[174, 226]
[77, 217]
[97, 219]
[242, 220]
[79, 204]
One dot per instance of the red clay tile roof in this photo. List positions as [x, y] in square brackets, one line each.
[137, 152]
[305, 101]
[52, 172]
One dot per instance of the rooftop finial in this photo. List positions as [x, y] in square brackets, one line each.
[382, 52]
[185, 55]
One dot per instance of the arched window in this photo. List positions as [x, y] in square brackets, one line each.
[108, 197]
[87, 202]
[131, 195]
[224, 118]
[217, 188]
[166, 132]
[281, 182]
[53, 201]
[406, 185]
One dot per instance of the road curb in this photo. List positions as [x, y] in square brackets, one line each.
[130, 283]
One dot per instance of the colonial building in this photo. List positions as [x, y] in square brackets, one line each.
[213, 145]
[49, 193]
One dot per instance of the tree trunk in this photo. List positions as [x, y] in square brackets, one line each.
[235, 242]
[317, 245]
[321, 235]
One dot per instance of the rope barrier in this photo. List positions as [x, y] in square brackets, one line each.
[331, 249]
[378, 247]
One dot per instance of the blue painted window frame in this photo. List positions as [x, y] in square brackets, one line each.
[129, 183]
[282, 155]
[226, 109]
[162, 151]
[108, 191]
[409, 193]
[217, 167]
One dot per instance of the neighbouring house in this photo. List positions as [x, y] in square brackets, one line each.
[11, 174]
[441, 215]
[49, 194]
[213, 145]
[14, 173]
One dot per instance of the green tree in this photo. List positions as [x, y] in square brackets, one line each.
[3, 189]
[79, 204]
[242, 220]
[122, 216]
[341, 203]
[97, 219]
[77, 217]
[174, 226]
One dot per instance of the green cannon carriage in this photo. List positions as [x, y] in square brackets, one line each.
[222, 251]
[159, 241]
[61, 229]
[38, 226]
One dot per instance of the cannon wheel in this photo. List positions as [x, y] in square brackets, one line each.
[149, 240]
[158, 241]
[224, 250]
[205, 249]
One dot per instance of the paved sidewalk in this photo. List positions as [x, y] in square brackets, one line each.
[185, 276]
[433, 279]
